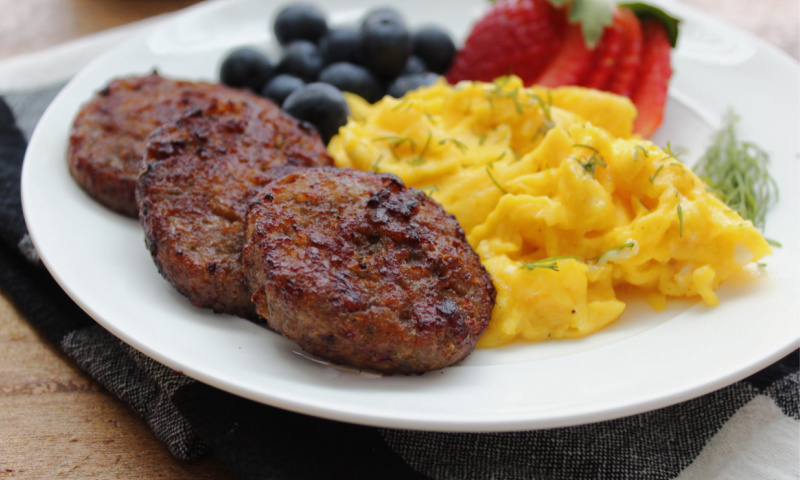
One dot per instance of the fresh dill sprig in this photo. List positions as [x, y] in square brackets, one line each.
[589, 147]
[549, 263]
[420, 159]
[637, 149]
[671, 153]
[494, 180]
[430, 189]
[499, 92]
[592, 163]
[773, 243]
[655, 174]
[737, 172]
[545, 106]
[623, 246]
[396, 140]
[376, 164]
[459, 145]
[680, 218]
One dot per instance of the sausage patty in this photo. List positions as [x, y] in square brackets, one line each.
[361, 271]
[199, 173]
[110, 131]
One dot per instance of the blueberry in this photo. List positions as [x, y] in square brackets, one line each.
[301, 21]
[245, 67]
[352, 78]
[414, 65]
[301, 58]
[385, 44]
[280, 87]
[321, 105]
[435, 47]
[341, 45]
[405, 83]
[389, 12]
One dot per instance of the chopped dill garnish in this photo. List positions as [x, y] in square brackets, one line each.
[545, 107]
[655, 174]
[637, 149]
[396, 140]
[430, 189]
[420, 159]
[490, 100]
[737, 172]
[773, 243]
[459, 145]
[498, 92]
[402, 103]
[624, 246]
[516, 155]
[375, 165]
[592, 163]
[680, 218]
[499, 157]
[550, 263]
[541, 131]
[482, 140]
[582, 145]
[494, 180]
[670, 152]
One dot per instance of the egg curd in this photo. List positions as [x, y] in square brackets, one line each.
[563, 203]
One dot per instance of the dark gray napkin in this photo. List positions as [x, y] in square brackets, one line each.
[262, 442]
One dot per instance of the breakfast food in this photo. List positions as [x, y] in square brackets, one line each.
[379, 56]
[359, 270]
[198, 175]
[562, 201]
[109, 133]
[548, 44]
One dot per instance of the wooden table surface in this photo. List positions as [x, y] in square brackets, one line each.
[55, 422]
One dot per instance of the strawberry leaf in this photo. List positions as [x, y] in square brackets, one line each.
[593, 15]
[645, 10]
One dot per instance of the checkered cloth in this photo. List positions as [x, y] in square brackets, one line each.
[749, 430]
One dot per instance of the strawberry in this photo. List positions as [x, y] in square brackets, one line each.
[627, 66]
[608, 52]
[572, 62]
[545, 44]
[514, 37]
[650, 95]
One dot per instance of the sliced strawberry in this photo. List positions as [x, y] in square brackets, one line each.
[624, 78]
[514, 37]
[650, 95]
[607, 54]
[572, 62]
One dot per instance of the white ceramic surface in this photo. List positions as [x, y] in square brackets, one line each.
[644, 361]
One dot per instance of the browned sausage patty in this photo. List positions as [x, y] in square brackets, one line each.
[198, 176]
[361, 271]
[109, 133]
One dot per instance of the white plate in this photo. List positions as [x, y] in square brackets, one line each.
[644, 361]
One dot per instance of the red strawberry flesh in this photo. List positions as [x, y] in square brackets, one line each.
[516, 37]
[650, 96]
[626, 73]
[571, 64]
[607, 53]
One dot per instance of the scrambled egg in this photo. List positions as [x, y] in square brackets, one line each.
[561, 201]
